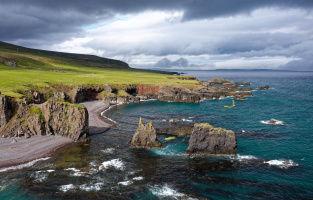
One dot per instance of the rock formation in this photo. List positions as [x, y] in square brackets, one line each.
[177, 94]
[49, 118]
[205, 139]
[145, 136]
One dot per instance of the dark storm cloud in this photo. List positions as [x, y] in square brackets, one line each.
[57, 20]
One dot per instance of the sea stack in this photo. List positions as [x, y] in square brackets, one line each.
[205, 139]
[145, 136]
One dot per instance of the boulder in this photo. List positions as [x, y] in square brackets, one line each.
[205, 139]
[145, 136]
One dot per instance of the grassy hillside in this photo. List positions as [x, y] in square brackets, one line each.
[38, 67]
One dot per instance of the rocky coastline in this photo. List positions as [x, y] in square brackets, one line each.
[54, 110]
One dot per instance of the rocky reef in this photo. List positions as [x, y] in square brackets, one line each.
[264, 87]
[205, 139]
[19, 119]
[145, 136]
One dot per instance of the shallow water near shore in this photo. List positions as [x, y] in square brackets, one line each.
[273, 161]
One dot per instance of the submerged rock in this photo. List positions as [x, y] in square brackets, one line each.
[145, 136]
[205, 139]
[264, 87]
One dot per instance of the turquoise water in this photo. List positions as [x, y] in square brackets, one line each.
[257, 172]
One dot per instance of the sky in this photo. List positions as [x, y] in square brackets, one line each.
[171, 34]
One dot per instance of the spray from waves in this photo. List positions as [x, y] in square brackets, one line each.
[281, 163]
[167, 192]
[29, 164]
[66, 188]
[116, 163]
[125, 183]
[273, 122]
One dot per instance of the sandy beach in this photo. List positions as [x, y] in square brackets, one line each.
[16, 155]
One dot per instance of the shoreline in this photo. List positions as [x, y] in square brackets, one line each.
[26, 152]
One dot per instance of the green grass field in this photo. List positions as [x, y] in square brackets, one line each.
[42, 68]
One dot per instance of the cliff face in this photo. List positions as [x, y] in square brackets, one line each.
[49, 118]
[5, 110]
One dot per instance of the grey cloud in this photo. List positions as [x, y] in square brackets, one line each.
[54, 21]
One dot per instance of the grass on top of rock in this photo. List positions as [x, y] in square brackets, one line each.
[38, 68]
[204, 125]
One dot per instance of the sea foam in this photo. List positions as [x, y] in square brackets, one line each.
[116, 163]
[273, 122]
[166, 192]
[29, 164]
[281, 163]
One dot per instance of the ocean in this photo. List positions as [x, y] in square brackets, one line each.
[272, 161]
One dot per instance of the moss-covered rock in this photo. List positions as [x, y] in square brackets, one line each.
[205, 139]
[145, 136]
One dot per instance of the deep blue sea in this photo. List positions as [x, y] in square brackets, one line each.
[272, 161]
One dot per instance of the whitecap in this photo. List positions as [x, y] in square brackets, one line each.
[116, 163]
[29, 164]
[273, 122]
[40, 176]
[108, 150]
[281, 163]
[166, 191]
[125, 183]
[50, 170]
[95, 187]
[139, 178]
[186, 120]
[163, 120]
[66, 188]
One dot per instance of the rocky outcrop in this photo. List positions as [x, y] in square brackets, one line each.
[145, 136]
[6, 110]
[205, 139]
[9, 63]
[177, 94]
[49, 118]
[264, 87]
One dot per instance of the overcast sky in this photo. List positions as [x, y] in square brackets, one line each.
[193, 34]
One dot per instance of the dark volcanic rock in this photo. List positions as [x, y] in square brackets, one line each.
[205, 139]
[145, 136]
